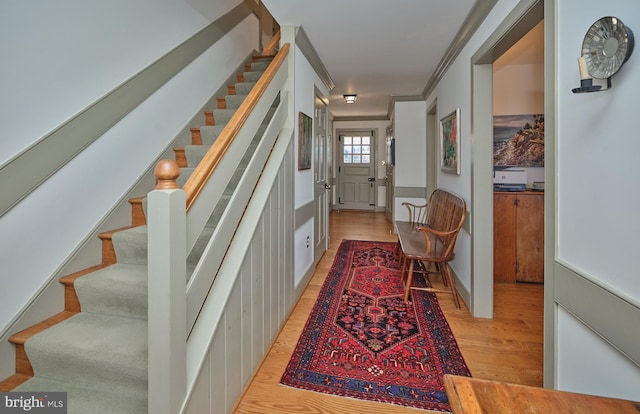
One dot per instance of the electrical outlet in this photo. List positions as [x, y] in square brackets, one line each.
[308, 241]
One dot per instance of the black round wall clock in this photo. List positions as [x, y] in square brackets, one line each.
[606, 47]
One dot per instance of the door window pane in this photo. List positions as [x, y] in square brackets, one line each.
[357, 150]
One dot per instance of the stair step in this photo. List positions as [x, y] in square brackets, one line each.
[123, 283]
[262, 58]
[210, 133]
[117, 290]
[101, 352]
[222, 116]
[208, 121]
[260, 66]
[194, 154]
[138, 207]
[234, 101]
[23, 364]
[130, 245]
[252, 76]
[108, 251]
[243, 88]
[71, 301]
[180, 157]
[13, 381]
[196, 139]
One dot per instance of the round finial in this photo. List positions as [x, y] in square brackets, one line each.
[166, 172]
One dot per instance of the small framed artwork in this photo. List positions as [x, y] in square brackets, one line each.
[450, 143]
[304, 141]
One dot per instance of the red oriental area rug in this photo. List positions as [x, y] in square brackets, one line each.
[362, 341]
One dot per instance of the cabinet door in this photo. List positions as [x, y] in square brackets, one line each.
[504, 238]
[530, 238]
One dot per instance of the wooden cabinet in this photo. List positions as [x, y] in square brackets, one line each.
[518, 237]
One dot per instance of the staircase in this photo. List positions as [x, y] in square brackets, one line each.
[96, 349]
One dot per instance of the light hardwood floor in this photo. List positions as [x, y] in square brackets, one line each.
[506, 348]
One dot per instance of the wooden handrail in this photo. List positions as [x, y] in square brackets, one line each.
[272, 45]
[205, 168]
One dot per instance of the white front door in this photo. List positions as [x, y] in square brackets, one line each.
[356, 170]
[320, 188]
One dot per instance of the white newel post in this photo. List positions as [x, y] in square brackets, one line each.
[166, 229]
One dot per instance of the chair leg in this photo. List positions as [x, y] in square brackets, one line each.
[446, 273]
[403, 266]
[407, 286]
[445, 282]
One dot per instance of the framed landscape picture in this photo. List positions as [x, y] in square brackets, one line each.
[450, 143]
[518, 140]
[304, 141]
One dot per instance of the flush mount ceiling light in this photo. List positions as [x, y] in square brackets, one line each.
[350, 98]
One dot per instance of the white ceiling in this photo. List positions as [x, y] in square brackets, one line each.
[375, 48]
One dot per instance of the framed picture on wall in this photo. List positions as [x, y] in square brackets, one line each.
[304, 141]
[518, 140]
[450, 143]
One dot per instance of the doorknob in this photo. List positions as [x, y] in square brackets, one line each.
[327, 187]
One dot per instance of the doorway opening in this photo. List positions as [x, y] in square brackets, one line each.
[356, 170]
[524, 17]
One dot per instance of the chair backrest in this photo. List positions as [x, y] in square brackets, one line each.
[417, 213]
[446, 213]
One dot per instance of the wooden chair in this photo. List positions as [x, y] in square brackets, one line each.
[440, 221]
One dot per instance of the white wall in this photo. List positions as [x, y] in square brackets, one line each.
[57, 60]
[410, 171]
[410, 131]
[306, 80]
[598, 197]
[598, 172]
[61, 56]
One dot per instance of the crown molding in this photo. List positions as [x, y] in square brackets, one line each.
[307, 49]
[476, 16]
